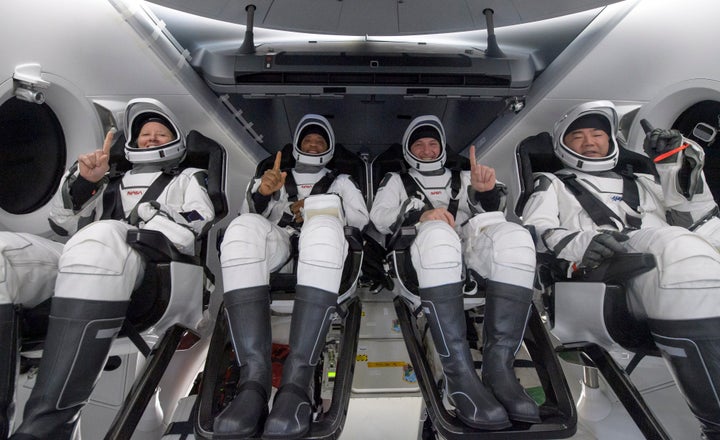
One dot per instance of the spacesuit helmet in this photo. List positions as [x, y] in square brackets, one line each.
[141, 111]
[313, 124]
[595, 114]
[422, 127]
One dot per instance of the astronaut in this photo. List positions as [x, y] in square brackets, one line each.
[459, 216]
[313, 202]
[95, 272]
[674, 219]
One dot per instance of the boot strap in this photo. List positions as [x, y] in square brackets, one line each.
[296, 390]
[252, 385]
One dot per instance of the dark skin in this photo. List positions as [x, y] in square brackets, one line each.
[274, 179]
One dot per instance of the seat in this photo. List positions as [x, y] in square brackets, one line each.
[557, 411]
[335, 369]
[588, 312]
[175, 290]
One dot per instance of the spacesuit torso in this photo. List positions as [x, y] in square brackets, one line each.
[273, 207]
[184, 205]
[557, 215]
[392, 201]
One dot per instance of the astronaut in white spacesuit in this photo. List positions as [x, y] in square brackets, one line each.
[460, 214]
[674, 219]
[279, 206]
[94, 273]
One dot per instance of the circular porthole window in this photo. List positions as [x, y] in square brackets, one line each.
[32, 155]
[701, 123]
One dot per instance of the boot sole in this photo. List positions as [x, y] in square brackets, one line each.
[524, 419]
[486, 426]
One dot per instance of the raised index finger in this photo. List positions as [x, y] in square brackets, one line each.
[278, 158]
[473, 161]
[108, 141]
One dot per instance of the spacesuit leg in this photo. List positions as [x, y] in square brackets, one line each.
[691, 349]
[507, 308]
[28, 268]
[323, 249]
[248, 314]
[436, 256]
[80, 333]
[251, 249]
[681, 299]
[504, 253]
[8, 365]
[97, 274]
[686, 281]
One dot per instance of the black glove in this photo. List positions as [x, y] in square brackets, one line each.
[603, 246]
[660, 141]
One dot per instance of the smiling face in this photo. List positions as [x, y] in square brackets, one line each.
[313, 144]
[588, 142]
[425, 149]
[153, 134]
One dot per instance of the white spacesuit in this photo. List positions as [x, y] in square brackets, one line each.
[95, 272]
[257, 243]
[673, 219]
[498, 250]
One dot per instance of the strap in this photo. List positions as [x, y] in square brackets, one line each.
[152, 193]
[412, 188]
[454, 192]
[598, 211]
[321, 187]
[291, 187]
[112, 202]
[135, 337]
[631, 195]
[252, 385]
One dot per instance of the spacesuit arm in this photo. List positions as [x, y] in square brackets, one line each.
[271, 207]
[679, 162]
[389, 206]
[488, 201]
[353, 201]
[69, 214]
[254, 201]
[542, 213]
[196, 211]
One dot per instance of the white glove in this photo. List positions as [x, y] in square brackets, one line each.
[414, 204]
[147, 210]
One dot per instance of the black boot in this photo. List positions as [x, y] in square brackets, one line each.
[292, 409]
[691, 349]
[507, 308]
[248, 315]
[80, 333]
[8, 365]
[474, 405]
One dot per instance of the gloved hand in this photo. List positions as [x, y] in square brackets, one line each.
[148, 210]
[660, 141]
[144, 212]
[603, 246]
[414, 204]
